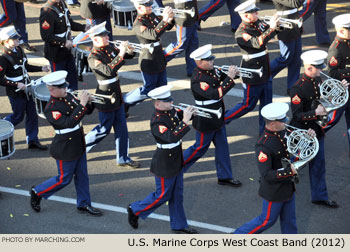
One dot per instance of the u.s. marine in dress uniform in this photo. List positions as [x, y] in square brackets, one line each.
[64, 112]
[209, 85]
[276, 182]
[105, 60]
[168, 126]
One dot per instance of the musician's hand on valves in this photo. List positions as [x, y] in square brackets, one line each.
[320, 110]
[21, 86]
[311, 132]
[188, 112]
[46, 68]
[84, 97]
[123, 48]
[274, 22]
[168, 14]
[232, 71]
[345, 83]
[293, 169]
[69, 43]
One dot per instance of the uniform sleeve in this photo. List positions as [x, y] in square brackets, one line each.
[47, 23]
[3, 69]
[264, 159]
[290, 3]
[334, 61]
[207, 91]
[75, 26]
[297, 105]
[151, 33]
[244, 39]
[105, 69]
[32, 68]
[161, 131]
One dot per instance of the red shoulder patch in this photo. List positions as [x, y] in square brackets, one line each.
[333, 61]
[56, 115]
[1, 68]
[262, 157]
[204, 86]
[45, 25]
[296, 99]
[162, 129]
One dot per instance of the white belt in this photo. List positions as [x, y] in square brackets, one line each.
[18, 78]
[64, 131]
[181, 1]
[61, 35]
[286, 12]
[208, 102]
[168, 146]
[254, 55]
[106, 82]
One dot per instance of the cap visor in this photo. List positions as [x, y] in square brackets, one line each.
[321, 66]
[253, 10]
[286, 119]
[211, 57]
[16, 36]
[148, 4]
[64, 85]
[102, 34]
[169, 99]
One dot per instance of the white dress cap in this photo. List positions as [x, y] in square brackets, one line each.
[315, 58]
[143, 2]
[203, 52]
[8, 32]
[275, 111]
[56, 78]
[161, 93]
[97, 30]
[247, 7]
[342, 20]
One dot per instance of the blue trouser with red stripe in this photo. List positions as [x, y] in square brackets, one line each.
[200, 147]
[320, 21]
[187, 39]
[214, 5]
[67, 64]
[21, 107]
[252, 94]
[167, 189]
[270, 212]
[14, 14]
[66, 171]
[335, 116]
[115, 119]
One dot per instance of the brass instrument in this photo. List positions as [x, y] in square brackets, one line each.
[96, 98]
[243, 72]
[177, 12]
[285, 22]
[203, 112]
[137, 47]
[333, 95]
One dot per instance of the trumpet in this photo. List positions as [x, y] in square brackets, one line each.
[177, 12]
[202, 112]
[137, 47]
[243, 72]
[96, 98]
[285, 22]
[333, 95]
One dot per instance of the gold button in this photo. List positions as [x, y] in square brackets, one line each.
[70, 138]
[71, 107]
[169, 155]
[279, 174]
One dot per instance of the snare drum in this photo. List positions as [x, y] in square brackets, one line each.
[81, 53]
[41, 97]
[7, 142]
[124, 14]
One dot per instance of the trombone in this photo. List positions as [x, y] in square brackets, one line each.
[202, 112]
[243, 72]
[177, 12]
[96, 98]
[285, 22]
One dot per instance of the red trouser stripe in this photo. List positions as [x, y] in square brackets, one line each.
[265, 221]
[196, 150]
[243, 107]
[179, 44]
[156, 201]
[54, 67]
[307, 8]
[6, 14]
[211, 7]
[58, 183]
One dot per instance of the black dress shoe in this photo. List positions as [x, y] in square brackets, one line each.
[327, 203]
[37, 145]
[185, 231]
[28, 47]
[35, 200]
[90, 210]
[131, 164]
[132, 218]
[230, 182]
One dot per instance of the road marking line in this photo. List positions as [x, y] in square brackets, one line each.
[120, 210]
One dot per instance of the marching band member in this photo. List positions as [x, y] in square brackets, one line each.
[252, 37]
[65, 113]
[289, 42]
[186, 34]
[105, 60]
[208, 87]
[148, 28]
[276, 182]
[305, 114]
[56, 25]
[339, 66]
[168, 126]
[14, 70]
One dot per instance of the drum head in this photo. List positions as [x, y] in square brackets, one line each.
[42, 93]
[125, 5]
[6, 129]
